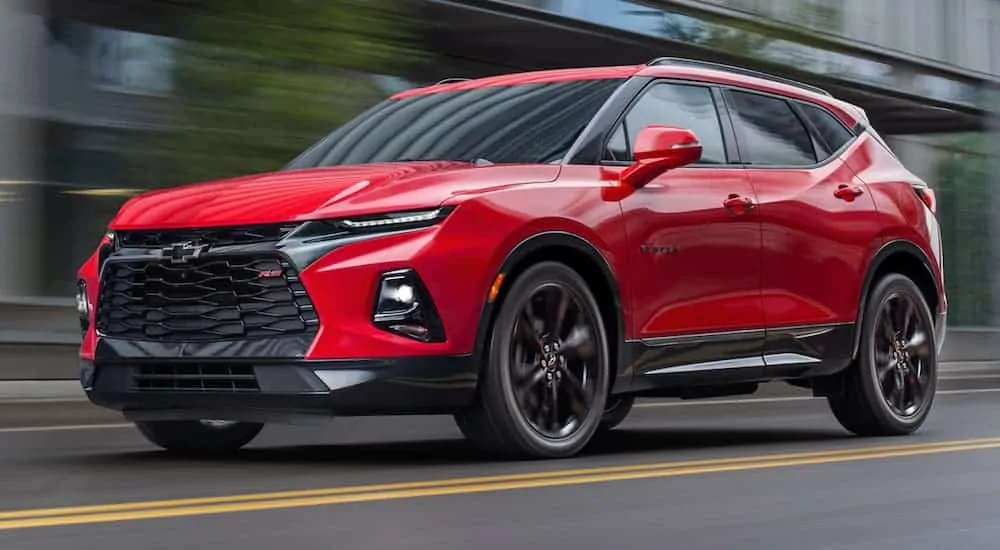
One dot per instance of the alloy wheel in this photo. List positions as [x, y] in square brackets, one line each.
[554, 361]
[902, 356]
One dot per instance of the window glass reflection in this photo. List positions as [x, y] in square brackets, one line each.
[832, 132]
[772, 133]
[535, 123]
[680, 105]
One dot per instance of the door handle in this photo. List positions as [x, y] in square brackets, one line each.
[737, 204]
[848, 192]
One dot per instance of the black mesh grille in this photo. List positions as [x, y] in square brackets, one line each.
[198, 377]
[222, 236]
[206, 298]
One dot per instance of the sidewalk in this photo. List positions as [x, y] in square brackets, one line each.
[33, 391]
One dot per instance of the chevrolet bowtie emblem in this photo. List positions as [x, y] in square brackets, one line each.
[179, 253]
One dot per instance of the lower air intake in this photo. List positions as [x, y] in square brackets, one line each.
[195, 378]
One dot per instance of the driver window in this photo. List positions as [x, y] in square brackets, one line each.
[682, 105]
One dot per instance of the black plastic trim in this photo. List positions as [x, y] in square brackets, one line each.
[537, 242]
[878, 258]
[589, 146]
[353, 387]
[807, 351]
[283, 347]
[716, 358]
[671, 366]
[729, 138]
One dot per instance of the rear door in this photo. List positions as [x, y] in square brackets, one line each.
[819, 224]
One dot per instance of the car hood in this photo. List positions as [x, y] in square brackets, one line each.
[317, 193]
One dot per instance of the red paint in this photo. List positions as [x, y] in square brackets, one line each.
[532, 77]
[710, 278]
[658, 149]
[697, 249]
[816, 245]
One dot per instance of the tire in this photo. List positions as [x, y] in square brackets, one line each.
[863, 405]
[195, 437]
[616, 410]
[513, 412]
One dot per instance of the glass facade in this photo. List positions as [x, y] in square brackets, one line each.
[778, 46]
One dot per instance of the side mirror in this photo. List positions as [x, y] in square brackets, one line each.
[658, 149]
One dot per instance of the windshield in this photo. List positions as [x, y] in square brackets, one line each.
[526, 123]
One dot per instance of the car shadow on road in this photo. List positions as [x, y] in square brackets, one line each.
[633, 443]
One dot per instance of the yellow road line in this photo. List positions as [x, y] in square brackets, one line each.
[90, 509]
[77, 515]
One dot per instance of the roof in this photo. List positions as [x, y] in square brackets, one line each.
[533, 77]
[847, 112]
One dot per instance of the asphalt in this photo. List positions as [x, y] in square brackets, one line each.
[773, 472]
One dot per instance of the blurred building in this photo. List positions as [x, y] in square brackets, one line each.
[78, 78]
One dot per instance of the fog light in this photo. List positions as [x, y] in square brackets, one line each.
[396, 298]
[82, 305]
[403, 306]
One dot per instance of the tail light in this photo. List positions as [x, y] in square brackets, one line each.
[926, 195]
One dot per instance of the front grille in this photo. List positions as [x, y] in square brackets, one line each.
[215, 237]
[207, 298]
[197, 377]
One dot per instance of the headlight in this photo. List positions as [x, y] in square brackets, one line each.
[312, 239]
[396, 220]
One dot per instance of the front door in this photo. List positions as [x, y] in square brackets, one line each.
[694, 246]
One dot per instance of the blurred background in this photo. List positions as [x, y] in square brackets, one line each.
[102, 99]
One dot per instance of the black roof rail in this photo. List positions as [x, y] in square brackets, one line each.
[451, 80]
[737, 70]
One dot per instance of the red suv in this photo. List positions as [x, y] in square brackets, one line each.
[530, 253]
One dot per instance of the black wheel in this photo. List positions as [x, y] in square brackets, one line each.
[616, 410]
[199, 437]
[543, 389]
[891, 387]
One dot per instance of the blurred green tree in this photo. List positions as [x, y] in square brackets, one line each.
[964, 210]
[257, 81]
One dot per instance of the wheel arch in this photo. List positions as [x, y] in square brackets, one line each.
[903, 257]
[582, 256]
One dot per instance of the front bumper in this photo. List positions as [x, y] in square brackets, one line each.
[269, 390]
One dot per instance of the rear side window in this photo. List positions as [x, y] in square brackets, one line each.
[681, 105]
[770, 131]
[833, 134]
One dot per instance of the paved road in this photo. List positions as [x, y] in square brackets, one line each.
[776, 473]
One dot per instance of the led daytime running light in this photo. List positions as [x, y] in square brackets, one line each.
[398, 220]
